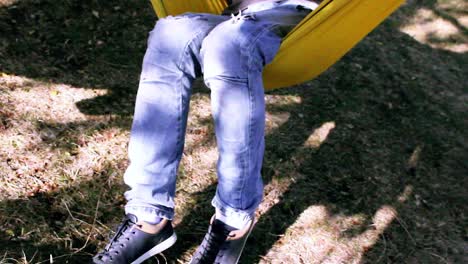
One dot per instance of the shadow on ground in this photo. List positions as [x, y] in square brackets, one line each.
[387, 97]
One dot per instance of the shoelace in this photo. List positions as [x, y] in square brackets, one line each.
[212, 244]
[116, 239]
[224, 247]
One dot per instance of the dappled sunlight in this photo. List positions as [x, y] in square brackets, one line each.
[6, 3]
[406, 194]
[278, 185]
[324, 238]
[95, 151]
[282, 100]
[441, 27]
[319, 135]
[277, 110]
[44, 101]
[49, 151]
[43, 133]
[198, 168]
[275, 120]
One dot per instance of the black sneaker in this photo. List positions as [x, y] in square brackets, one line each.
[131, 245]
[222, 244]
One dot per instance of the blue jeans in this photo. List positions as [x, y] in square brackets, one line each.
[230, 52]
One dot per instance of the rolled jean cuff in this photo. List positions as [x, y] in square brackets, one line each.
[149, 214]
[231, 216]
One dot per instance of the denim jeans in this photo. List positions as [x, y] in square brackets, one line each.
[230, 52]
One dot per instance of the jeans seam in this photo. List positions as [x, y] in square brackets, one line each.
[251, 46]
[246, 165]
[179, 121]
[251, 106]
[249, 162]
[180, 60]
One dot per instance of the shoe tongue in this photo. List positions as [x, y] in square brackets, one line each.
[132, 218]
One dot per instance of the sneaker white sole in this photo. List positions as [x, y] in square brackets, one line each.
[157, 249]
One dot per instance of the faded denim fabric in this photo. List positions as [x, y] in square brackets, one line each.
[230, 52]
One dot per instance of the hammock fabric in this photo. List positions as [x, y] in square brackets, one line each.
[314, 45]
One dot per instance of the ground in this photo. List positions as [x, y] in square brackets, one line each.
[365, 164]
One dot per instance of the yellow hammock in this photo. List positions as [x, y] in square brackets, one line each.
[320, 40]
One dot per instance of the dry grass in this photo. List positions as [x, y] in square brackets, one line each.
[443, 26]
[365, 164]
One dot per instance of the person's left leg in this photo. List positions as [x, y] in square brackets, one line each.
[233, 56]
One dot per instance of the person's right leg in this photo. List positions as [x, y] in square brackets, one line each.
[170, 65]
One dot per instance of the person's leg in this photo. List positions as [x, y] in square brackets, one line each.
[234, 55]
[170, 65]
